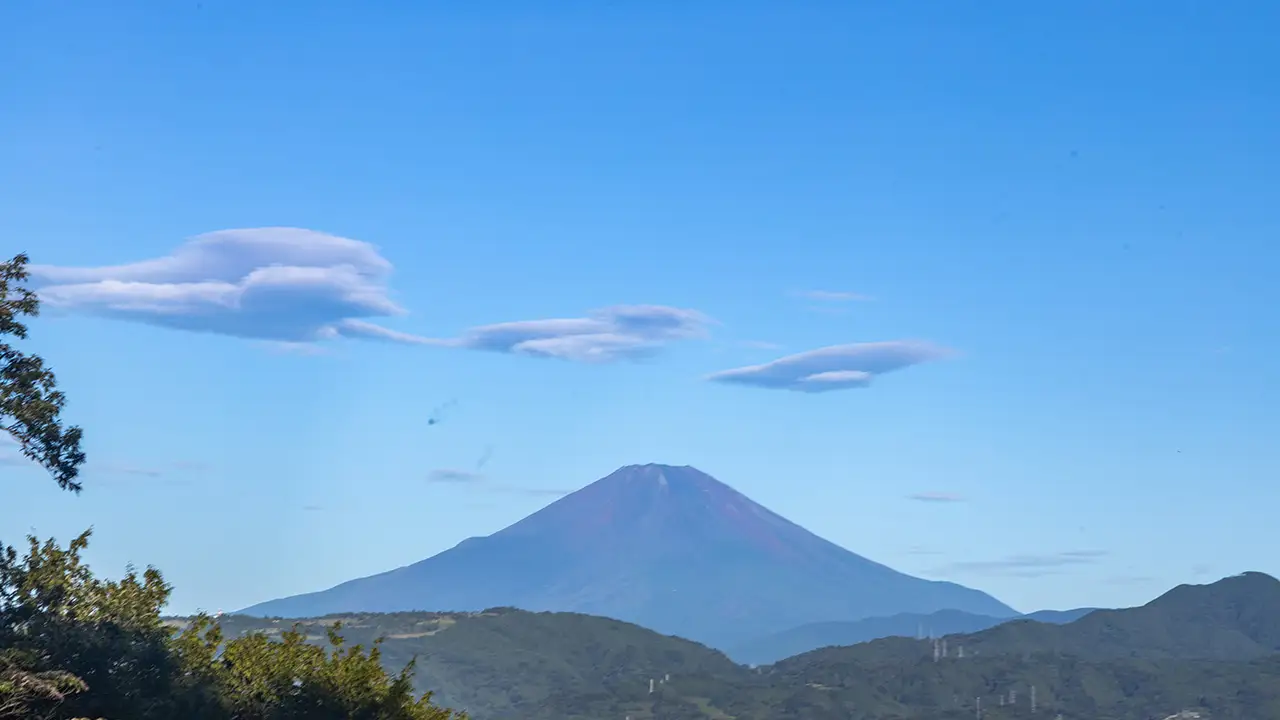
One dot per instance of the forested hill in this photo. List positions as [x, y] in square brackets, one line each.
[1209, 647]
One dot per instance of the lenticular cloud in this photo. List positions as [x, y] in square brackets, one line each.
[280, 284]
[296, 286]
[838, 367]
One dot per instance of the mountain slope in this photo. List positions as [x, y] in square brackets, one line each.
[1234, 619]
[775, 647]
[669, 548]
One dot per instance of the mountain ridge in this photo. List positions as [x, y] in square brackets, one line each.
[1233, 619]
[505, 664]
[669, 548]
[812, 636]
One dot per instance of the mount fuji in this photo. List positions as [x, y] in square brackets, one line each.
[669, 548]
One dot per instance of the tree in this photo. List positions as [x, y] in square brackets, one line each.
[263, 679]
[30, 402]
[74, 646]
[104, 640]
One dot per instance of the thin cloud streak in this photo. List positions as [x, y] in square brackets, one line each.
[1025, 565]
[454, 476]
[937, 497]
[478, 481]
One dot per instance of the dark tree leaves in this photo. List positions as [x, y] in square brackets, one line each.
[30, 402]
[73, 645]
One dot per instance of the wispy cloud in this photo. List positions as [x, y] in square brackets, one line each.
[936, 497]
[608, 334]
[837, 367]
[447, 475]
[149, 471]
[834, 296]
[922, 550]
[278, 284]
[11, 456]
[1025, 565]
[131, 470]
[473, 479]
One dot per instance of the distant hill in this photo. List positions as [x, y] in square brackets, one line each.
[1197, 648]
[1057, 617]
[507, 664]
[669, 548]
[1234, 619]
[774, 647]
[1237, 618]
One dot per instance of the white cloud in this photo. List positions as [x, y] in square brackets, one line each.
[837, 367]
[277, 284]
[292, 287]
[605, 335]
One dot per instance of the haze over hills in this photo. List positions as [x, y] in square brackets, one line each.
[1208, 647]
[775, 647]
[669, 548]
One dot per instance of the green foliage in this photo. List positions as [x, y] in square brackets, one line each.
[504, 663]
[259, 678]
[21, 690]
[73, 645]
[30, 402]
[56, 617]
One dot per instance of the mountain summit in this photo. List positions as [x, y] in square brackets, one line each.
[670, 548]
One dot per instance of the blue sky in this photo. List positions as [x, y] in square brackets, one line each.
[1060, 216]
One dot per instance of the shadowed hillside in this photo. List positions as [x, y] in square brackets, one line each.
[1198, 647]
